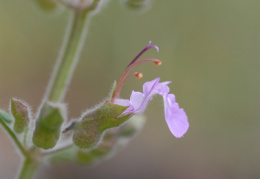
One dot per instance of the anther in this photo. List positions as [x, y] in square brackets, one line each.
[157, 62]
[139, 75]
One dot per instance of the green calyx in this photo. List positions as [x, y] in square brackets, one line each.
[112, 141]
[48, 126]
[89, 130]
[20, 112]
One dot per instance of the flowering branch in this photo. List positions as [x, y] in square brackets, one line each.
[62, 74]
[99, 131]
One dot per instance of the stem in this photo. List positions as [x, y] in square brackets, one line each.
[29, 168]
[14, 137]
[25, 138]
[68, 57]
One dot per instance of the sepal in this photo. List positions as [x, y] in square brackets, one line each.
[89, 131]
[113, 140]
[21, 114]
[48, 125]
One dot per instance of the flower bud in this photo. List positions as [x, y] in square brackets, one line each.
[20, 112]
[48, 126]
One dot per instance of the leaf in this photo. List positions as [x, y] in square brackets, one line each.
[88, 131]
[5, 117]
[20, 112]
[48, 126]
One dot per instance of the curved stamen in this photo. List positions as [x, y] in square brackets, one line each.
[136, 74]
[125, 75]
[149, 46]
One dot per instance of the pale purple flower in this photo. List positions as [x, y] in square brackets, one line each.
[176, 118]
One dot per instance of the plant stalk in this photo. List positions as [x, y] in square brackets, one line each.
[14, 138]
[68, 57]
[28, 169]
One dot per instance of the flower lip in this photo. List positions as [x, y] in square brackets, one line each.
[175, 117]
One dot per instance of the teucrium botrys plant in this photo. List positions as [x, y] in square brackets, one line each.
[99, 132]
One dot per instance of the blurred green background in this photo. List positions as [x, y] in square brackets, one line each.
[210, 51]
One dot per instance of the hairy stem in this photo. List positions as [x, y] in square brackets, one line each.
[68, 57]
[14, 138]
[28, 169]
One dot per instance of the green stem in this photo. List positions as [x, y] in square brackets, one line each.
[68, 57]
[25, 138]
[29, 168]
[14, 137]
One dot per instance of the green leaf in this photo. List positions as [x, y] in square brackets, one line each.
[48, 126]
[5, 117]
[20, 112]
[89, 130]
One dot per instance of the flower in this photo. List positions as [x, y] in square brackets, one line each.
[176, 117]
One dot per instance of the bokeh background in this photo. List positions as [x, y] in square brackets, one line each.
[210, 51]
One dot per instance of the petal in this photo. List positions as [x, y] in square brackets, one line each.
[137, 100]
[162, 88]
[155, 87]
[122, 102]
[140, 100]
[125, 102]
[176, 118]
[150, 85]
